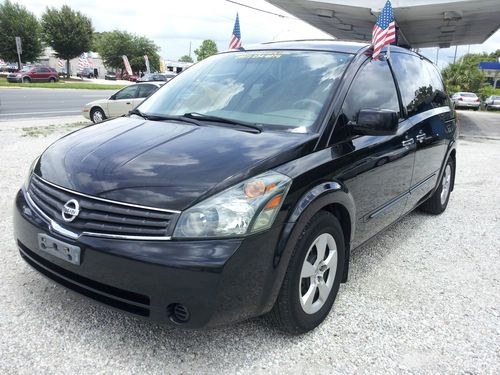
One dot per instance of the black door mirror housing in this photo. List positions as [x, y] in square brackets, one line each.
[375, 122]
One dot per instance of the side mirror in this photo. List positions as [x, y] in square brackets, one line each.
[112, 97]
[375, 122]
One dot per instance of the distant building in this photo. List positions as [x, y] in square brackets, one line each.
[175, 66]
[94, 61]
[491, 71]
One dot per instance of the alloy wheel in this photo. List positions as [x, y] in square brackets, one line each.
[446, 184]
[318, 273]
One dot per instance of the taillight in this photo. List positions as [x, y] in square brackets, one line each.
[461, 99]
[477, 100]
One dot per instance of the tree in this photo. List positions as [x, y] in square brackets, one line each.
[465, 74]
[16, 20]
[68, 32]
[207, 49]
[111, 46]
[186, 59]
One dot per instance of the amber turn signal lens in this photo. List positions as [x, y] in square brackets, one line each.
[273, 203]
[254, 189]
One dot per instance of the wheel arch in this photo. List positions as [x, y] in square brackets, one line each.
[95, 107]
[332, 197]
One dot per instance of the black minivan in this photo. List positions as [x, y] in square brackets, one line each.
[242, 186]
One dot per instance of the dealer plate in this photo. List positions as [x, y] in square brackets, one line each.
[59, 249]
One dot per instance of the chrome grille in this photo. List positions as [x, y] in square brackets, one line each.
[100, 217]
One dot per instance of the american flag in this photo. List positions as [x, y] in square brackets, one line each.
[236, 38]
[82, 61]
[85, 61]
[60, 63]
[384, 31]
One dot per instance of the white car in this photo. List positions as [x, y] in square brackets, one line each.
[493, 102]
[120, 103]
[466, 100]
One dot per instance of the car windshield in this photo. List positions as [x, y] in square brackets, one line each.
[282, 89]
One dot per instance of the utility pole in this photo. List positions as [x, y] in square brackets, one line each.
[455, 57]
[437, 55]
[189, 49]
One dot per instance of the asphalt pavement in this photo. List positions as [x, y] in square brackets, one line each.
[479, 124]
[20, 103]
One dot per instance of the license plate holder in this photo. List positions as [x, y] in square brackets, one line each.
[59, 249]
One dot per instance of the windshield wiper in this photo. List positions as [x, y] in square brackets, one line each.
[202, 117]
[149, 117]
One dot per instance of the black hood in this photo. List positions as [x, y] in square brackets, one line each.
[163, 164]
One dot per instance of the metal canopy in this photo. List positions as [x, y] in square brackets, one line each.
[422, 23]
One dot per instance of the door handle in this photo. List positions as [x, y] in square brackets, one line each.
[408, 142]
[127, 103]
[421, 137]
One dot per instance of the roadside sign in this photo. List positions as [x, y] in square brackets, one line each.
[128, 68]
[19, 48]
[19, 45]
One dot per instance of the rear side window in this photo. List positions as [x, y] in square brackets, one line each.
[373, 88]
[146, 90]
[419, 82]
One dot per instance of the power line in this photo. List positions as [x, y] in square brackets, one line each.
[260, 10]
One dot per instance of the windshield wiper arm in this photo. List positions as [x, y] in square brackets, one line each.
[149, 117]
[202, 117]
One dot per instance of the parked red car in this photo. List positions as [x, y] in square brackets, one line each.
[34, 74]
[125, 76]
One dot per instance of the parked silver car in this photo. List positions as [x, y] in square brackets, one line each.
[466, 100]
[492, 102]
[119, 103]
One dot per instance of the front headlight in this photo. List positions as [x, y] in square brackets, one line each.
[248, 207]
[30, 172]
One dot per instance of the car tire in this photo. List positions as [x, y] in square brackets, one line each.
[438, 201]
[293, 312]
[97, 115]
[52, 80]
[26, 80]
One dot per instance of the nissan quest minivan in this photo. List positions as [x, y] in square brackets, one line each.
[242, 186]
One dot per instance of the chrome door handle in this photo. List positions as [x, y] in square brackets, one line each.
[408, 142]
[421, 137]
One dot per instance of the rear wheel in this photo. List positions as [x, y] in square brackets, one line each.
[52, 79]
[313, 277]
[97, 115]
[438, 202]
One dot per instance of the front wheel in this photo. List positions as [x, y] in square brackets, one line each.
[97, 115]
[313, 277]
[438, 201]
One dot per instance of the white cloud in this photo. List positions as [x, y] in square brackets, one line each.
[174, 24]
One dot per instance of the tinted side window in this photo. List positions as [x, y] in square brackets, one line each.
[146, 90]
[126, 93]
[414, 82]
[439, 96]
[373, 88]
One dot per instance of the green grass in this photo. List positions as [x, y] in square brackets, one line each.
[43, 131]
[63, 85]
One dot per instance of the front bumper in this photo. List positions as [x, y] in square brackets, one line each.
[14, 79]
[219, 281]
